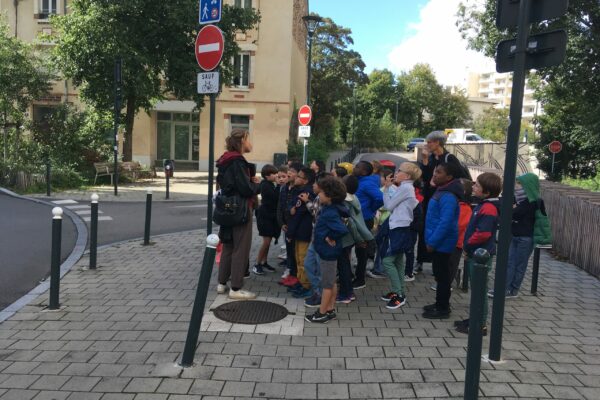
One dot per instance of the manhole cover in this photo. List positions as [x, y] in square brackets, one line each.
[250, 312]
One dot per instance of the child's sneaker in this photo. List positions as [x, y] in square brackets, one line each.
[332, 314]
[301, 293]
[318, 318]
[313, 301]
[419, 268]
[290, 281]
[358, 285]
[282, 256]
[258, 269]
[375, 274]
[344, 299]
[286, 273]
[295, 288]
[388, 296]
[396, 302]
[268, 267]
[409, 278]
[465, 329]
[221, 289]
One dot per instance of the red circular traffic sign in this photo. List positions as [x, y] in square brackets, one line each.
[304, 115]
[209, 47]
[555, 147]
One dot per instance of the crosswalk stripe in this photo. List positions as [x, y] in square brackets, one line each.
[86, 212]
[64, 202]
[78, 207]
[104, 218]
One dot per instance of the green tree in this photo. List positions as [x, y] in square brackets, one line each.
[23, 79]
[335, 71]
[155, 40]
[492, 124]
[570, 94]
[451, 110]
[422, 92]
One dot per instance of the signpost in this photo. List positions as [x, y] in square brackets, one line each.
[525, 52]
[210, 11]
[209, 47]
[304, 118]
[555, 147]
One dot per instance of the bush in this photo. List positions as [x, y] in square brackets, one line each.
[317, 150]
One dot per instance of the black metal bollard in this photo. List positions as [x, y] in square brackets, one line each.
[168, 176]
[148, 217]
[55, 258]
[94, 231]
[481, 257]
[465, 278]
[48, 187]
[187, 360]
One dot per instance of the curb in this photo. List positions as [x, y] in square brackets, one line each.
[72, 259]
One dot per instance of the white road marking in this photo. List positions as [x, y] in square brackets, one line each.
[105, 218]
[86, 212]
[78, 207]
[196, 206]
[64, 202]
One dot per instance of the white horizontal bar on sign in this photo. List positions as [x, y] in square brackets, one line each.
[210, 47]
[64, 202]
[304, 115]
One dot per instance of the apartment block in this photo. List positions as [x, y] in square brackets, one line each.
[498, 87]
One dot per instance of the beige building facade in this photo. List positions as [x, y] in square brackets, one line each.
[269, 87]
[498, 87]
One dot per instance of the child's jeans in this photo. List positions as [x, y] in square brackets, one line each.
[313, 269]
[518, 256]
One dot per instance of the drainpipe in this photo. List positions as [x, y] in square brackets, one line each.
[16, 4]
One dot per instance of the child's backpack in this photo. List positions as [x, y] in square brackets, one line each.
[542, 234]
[418, 219]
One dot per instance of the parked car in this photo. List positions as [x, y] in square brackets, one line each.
[413, 142]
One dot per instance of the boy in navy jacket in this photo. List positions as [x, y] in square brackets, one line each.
[329, 231]
[481, 232]
[300, 228]
[441, 234]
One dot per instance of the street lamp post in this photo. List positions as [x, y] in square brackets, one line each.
[312, 23]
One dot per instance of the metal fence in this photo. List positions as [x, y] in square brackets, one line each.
[575, 218]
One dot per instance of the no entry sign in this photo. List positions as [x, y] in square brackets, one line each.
[304, 115]
[209, 47]
[555, 147]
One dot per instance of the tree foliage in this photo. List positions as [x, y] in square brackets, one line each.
[335, 71]
[155, 40]
[570, 93]
[23, 79]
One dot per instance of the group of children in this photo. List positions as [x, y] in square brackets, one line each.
[324, 215]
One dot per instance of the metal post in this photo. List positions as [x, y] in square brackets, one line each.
[191, 341]
[55, 258]
[552, 170]
[508, 190]
[168, 180]
[48, 177]
[536, 270]
[117, 112]
[481, 257]
[94, 231]
[309, 77]
[148, 217]
[211, 162]
[465, 278]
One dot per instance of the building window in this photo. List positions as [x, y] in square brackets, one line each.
[41, 116]
[241, 70]
[240, 122]
[243, 3]
[47, 7]
[177, 136]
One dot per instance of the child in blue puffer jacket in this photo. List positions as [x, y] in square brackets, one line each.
[441, 234]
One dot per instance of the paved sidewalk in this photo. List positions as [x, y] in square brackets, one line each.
[184, 186]
[123, 328]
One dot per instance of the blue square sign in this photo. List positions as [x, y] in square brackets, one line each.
[210, 11]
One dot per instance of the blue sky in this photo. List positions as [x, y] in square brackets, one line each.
[397, 34]
[377, 26]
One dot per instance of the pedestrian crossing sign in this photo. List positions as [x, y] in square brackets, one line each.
[210, 11]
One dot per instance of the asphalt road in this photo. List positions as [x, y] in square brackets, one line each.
[25, 245]
[128, 219]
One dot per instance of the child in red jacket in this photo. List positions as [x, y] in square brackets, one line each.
[464, 216]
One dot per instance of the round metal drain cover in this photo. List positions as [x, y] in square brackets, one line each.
[250, 312]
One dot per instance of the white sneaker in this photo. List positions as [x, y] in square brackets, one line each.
[282, 256]
[286, 273]
[241, 295]
[282, 247]
[221, 289]
[409, 278]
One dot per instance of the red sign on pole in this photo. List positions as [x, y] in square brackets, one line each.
[209, 47]
[304, 115]
[555, 147]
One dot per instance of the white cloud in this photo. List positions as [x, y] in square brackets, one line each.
[437, 42]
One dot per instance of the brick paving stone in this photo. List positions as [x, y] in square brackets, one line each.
[316, 376]
[270, 390]
[227, 374]
[430, 390]
[345, 376]
[332, 391]
[529, 390]
[143, 385]
[206, 387]
[287, 376]
[52, 395]
[257, 375]
[19, 394]
[364, 391]
[111, 384]
[397, 390]
[301, 391]
[238, 389]
[496, 389]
